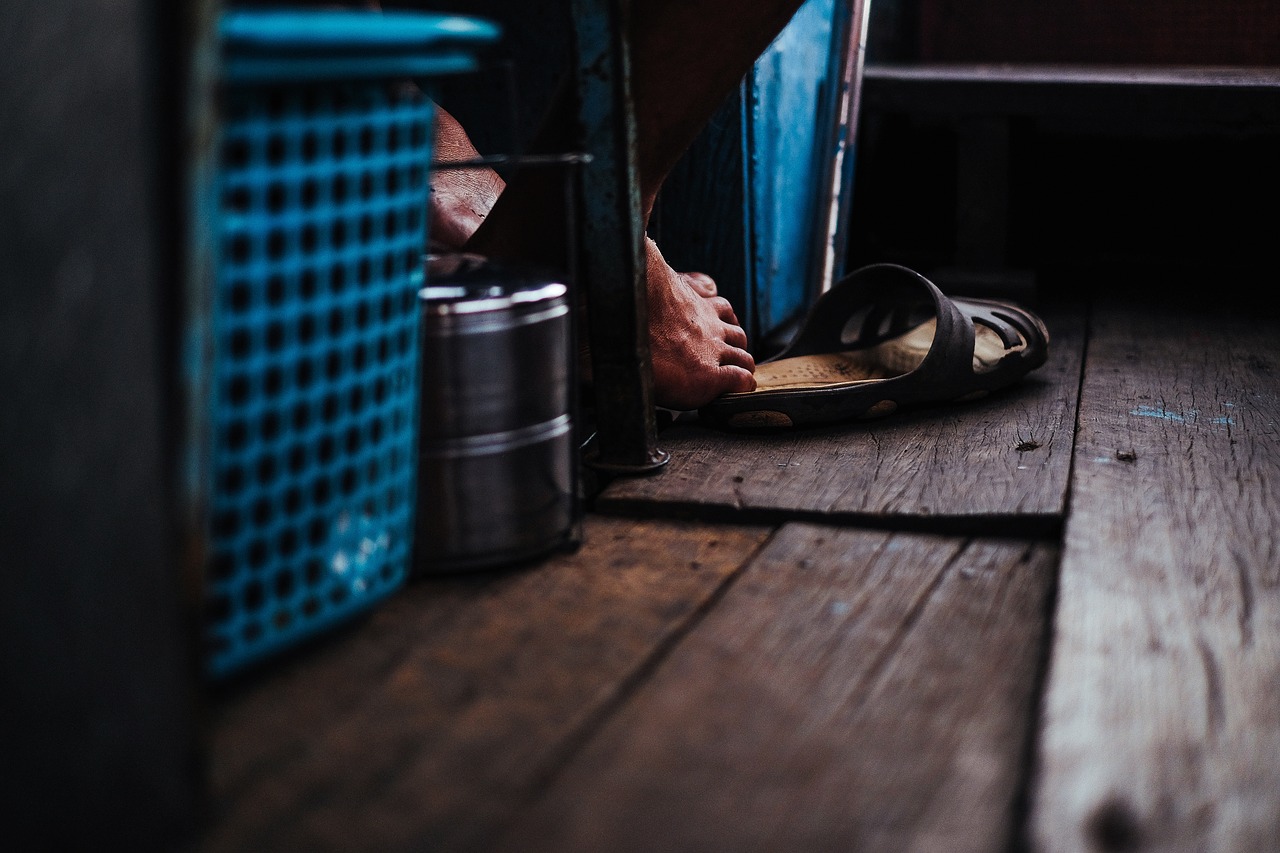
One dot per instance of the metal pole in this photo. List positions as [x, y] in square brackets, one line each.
[611, 244]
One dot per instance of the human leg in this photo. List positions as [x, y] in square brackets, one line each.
[687, 56]
[460, 198]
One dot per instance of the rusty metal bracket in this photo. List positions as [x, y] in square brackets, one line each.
[611, 244]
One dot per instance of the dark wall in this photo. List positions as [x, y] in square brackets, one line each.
[1164, 198]
[99, 733]
[1151, 32]
[503, 105]
[1149, 176]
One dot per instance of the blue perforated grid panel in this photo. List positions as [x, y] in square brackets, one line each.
[322, 196]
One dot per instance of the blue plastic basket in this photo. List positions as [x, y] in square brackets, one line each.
[320, 223]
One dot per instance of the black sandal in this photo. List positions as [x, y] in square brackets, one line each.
[883, 338]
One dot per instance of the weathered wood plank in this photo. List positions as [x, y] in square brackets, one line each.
[992, 466]
[1162, 717]
[426, 726]
[851, 690]
[1115, 96]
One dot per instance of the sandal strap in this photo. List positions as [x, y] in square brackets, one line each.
[888, 300]
[1012, 323]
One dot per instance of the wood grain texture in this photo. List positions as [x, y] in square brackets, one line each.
[1162, 717]
[851, 690]
[1130, 98]
[425, 727]
[995, 465]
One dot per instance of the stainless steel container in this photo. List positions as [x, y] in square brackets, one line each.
[497, 463]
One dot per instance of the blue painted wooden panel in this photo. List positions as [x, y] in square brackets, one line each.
[751, 202]
[786, 139]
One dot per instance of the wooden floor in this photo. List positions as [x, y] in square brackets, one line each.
[1049, 621]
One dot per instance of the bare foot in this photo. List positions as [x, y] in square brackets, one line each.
[698, 348]
[697, 345]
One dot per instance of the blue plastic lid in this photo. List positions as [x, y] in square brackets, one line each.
[282, 45]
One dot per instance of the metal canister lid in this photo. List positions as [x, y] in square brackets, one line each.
[467, 284]
[496, 347]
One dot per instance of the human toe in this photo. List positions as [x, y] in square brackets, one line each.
[703, 284]
[724, 309]
[737, 357]
[735, 379]
[735, 336]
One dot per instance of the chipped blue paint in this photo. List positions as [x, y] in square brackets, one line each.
[1189, 416]
[1163, 414]
[785, 91]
